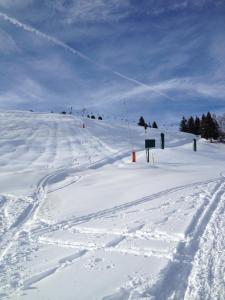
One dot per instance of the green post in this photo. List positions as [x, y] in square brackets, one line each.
[194, 145]
[147, 155]
[162, 140]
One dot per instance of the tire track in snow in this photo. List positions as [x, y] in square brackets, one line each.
[12, 215]
[102, 213]
[22, 149]
[32, 140]
[207, 279]
[173, 281]
[71, 259]
[21, 231]
[27, 216]
[61, 265]
[47, 157]
[31, 215]
[112, 245]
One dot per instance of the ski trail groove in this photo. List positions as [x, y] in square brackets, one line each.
[102, 213]
[21, 230]
[173, 281]
[62, 264]
[28, 226]
[207, 278]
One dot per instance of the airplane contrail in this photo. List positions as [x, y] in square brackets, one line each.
[59, 43]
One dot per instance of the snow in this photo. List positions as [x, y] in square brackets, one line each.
[79, 220]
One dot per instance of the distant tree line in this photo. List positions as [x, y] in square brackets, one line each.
[89, 116]
[142, 123]
[206, 126]
[93, 117]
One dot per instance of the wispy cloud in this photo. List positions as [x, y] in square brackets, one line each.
[76, 52]
[26, 93]
[91, 10]
[185, 87]
[15, 3]
[75, 11]
[7, 43]
[45, 36]
[98, 53]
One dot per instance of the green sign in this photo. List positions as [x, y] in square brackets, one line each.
[149, 144]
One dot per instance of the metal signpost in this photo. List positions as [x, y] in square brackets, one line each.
[162, 140]
[195, 145]
[148, 145]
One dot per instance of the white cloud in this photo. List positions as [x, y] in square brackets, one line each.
[75, 52]
[54, 65]
[187, 86]
[7, 43]
[91, 10]
[27, 91]
[191, 86]
[15, 3]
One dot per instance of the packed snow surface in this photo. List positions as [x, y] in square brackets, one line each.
[79, 220]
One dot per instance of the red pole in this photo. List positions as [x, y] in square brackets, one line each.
[133, 156]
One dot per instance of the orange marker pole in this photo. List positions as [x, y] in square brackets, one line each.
[133, 156]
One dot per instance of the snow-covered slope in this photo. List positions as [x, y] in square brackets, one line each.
[80, 221]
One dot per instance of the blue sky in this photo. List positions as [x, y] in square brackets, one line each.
[165, 58]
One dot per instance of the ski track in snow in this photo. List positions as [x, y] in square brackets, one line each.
[186, 265]
[26, 208]
[180, 261]
[207, 278]
[116, 209]
[195, 267]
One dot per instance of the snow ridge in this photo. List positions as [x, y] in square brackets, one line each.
[174, 281]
